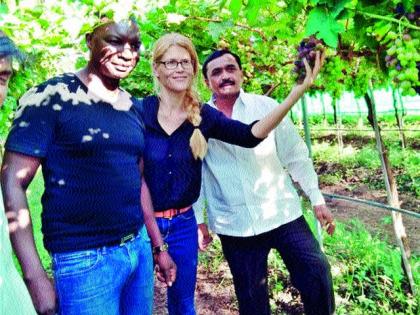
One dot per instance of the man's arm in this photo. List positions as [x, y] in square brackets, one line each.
[166, 268]
[204, 236]
[16, 174]
[294, 155]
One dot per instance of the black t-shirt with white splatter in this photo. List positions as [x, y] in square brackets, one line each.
[89, 153]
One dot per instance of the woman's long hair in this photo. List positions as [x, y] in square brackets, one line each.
[191, 102]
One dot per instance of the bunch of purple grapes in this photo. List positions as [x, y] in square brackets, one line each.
[307, 49]
[413, 17]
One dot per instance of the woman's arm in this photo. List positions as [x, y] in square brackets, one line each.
[263, 127]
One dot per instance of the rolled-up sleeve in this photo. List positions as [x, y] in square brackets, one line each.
[294, 155]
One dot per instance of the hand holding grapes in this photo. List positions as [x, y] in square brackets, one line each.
[311, 73]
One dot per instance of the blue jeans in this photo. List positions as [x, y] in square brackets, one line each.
[180, 233]
[308, 267]
[109, 280]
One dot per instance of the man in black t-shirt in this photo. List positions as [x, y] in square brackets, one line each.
[87, 135]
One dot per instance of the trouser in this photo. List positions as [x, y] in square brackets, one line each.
[112, 280]
[180, 232]
[308, 267]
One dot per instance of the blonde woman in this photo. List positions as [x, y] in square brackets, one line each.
[177, 129]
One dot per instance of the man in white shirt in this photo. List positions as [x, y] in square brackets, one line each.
[252, 204]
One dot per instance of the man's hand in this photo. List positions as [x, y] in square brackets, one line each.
[311, 74]
[325, 217]
[41, 289]
[165, 268]
[204, 237]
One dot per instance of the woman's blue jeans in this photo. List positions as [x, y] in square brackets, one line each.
[180, 233]
[109, 280]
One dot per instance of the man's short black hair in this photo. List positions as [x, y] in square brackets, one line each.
[219, 53]
[8, 48]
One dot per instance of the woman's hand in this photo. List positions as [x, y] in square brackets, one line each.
[311, 74]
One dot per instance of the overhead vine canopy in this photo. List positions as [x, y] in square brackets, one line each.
[368, 40]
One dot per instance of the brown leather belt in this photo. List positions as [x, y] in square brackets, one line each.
[170, 213]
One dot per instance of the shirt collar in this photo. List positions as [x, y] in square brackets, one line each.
[241, 98]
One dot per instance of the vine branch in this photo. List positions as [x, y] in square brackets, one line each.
[389, 19]
[199, 18]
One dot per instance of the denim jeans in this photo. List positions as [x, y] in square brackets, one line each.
[180, 233]
[308, 267]
[110, 280]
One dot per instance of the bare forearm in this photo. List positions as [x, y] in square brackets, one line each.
[263, 127]
[268, 123]
[149, 216]
[20, 228]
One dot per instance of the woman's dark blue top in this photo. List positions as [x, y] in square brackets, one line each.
[170, 170]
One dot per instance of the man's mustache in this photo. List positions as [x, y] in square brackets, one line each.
[226, 81]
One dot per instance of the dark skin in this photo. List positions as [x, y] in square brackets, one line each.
[114, 54]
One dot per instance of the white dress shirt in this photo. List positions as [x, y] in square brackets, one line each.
[249, 191]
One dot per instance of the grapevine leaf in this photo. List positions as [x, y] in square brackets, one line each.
[251, 11]
[235, 8]
[215, 29]
[381, 28]
[321, 22]
[3, 9]
[339, 7]
[222, 4]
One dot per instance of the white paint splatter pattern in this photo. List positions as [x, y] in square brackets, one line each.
[32, 98]
[87, 138]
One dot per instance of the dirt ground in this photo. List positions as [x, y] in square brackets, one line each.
[215, 294]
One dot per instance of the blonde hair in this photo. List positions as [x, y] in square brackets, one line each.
[191, 103]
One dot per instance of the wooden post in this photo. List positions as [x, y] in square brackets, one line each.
[338, 124]
[309, 145]
[360, 118]
[324, 114]
[392, 192]
[398, 118]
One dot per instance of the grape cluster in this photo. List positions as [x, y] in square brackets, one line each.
[403, 55]
[307, 49]
[413, 17]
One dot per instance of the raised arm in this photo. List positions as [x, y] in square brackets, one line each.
[16, 174]
[263, 127]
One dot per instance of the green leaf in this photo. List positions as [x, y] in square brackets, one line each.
[3, 9]
[215, 29]
[338, 7]
[251, 12]
[323, 24]
[222, 4]
[235, 8]
[381, 28]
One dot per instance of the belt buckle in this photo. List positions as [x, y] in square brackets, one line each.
[127, 238]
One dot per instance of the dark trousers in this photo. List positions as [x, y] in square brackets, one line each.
[307, 264]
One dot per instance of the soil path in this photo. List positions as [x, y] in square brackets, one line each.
[215, 293]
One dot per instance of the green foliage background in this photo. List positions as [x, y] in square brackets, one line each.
[264, 33]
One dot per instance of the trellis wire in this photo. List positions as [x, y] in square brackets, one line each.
[374, 204]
